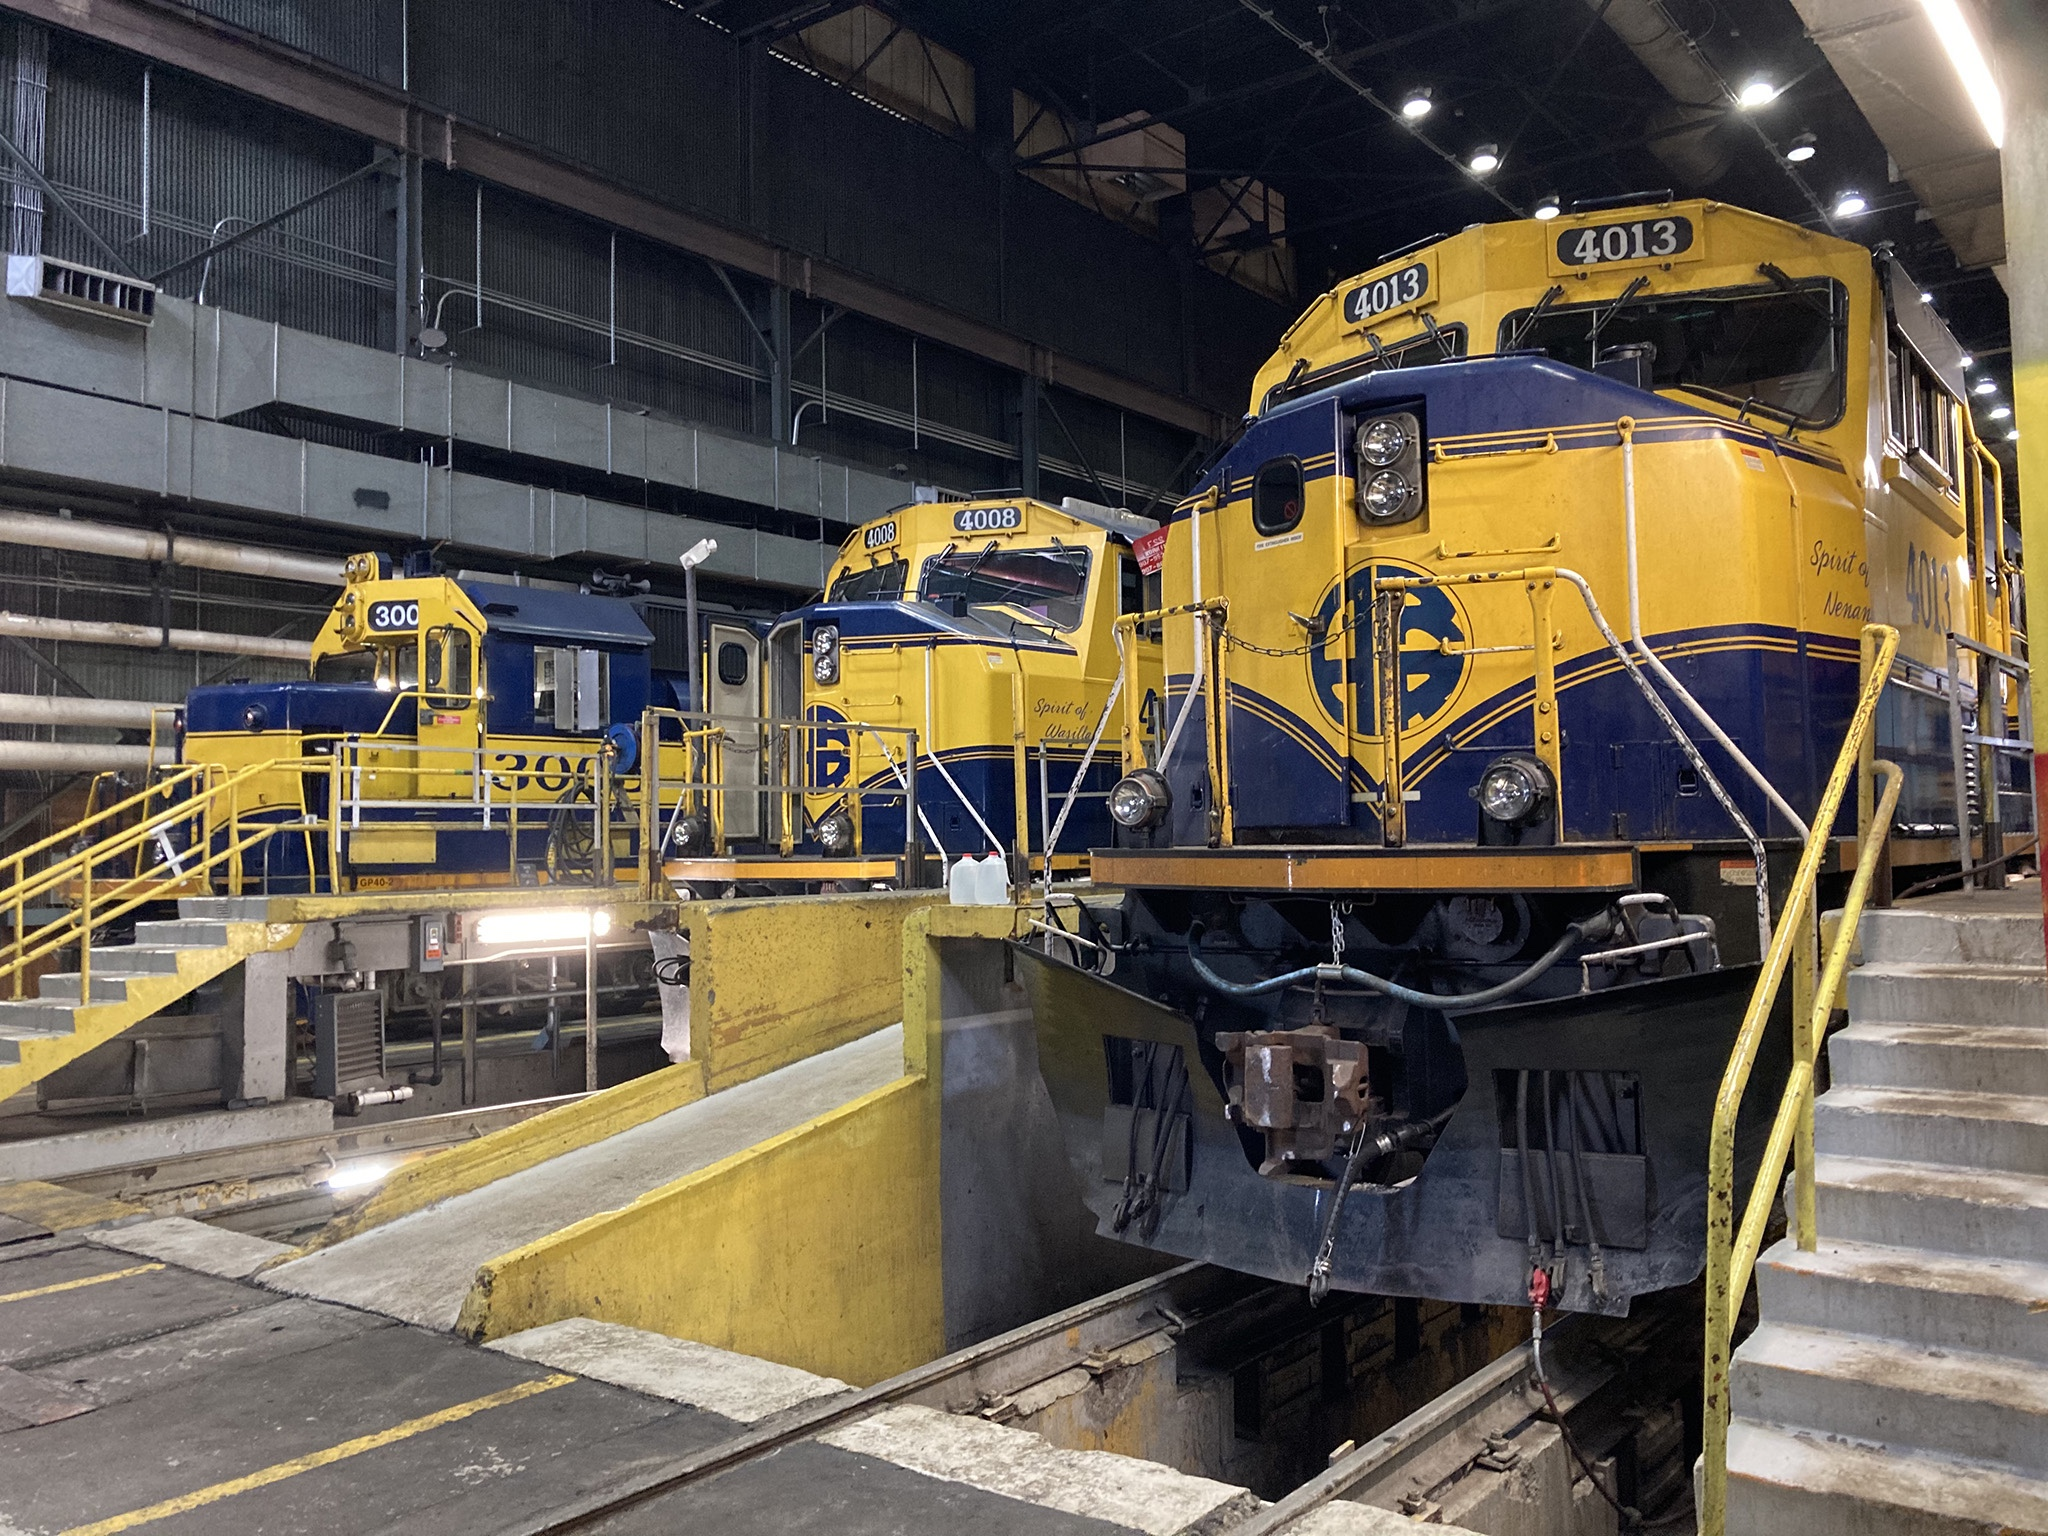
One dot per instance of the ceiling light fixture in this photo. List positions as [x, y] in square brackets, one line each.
[1549, 206]
[1985, 387]
[2013, 436]
[1960, 44]
[1485, 159]
[1416, 105]
[1926, 297]
[1802, 149]
[1849, 204]
[2001, 413]
[1966, 361]
[1758, 93]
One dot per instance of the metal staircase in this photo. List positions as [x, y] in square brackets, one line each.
[172, 839]
[1898, 1381]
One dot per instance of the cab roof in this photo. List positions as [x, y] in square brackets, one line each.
[536, 613]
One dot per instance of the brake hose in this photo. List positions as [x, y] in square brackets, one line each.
[1593, 929]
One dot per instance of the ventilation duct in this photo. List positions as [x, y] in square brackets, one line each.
[1685, 134]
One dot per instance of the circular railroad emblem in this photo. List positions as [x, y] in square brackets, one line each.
[1433, 660]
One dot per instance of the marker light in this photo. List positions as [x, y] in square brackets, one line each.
[1758, 93]
[1485, 159]
[1849, 204]
[1417, 104]
[2001, 413]
[1549, 205]
[835, 832]
[1985, 387]
[1802, 149]
[542, 927]
[1513, 789]
[1960, 44]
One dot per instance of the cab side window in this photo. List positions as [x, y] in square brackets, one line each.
[1277, 496]
[1922, 413]
[450, 667]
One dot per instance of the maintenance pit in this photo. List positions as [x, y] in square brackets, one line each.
[829, 1270]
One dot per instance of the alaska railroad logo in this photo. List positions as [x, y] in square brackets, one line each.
[1431, 620]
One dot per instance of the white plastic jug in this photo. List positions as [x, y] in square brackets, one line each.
[992, 881]
[962, 881]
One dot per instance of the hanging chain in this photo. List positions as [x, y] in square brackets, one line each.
[1339, 910]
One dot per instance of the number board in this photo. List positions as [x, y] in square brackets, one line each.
[1604, 245]
[878, 535]
[988, 519]
[1382, 294]
[386, 618]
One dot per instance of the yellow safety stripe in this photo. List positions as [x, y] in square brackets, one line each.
[201, 1497]
[73, 1285]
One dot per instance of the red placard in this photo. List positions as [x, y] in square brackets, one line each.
[1151, 551]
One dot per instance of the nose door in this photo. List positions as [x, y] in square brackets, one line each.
[733, 689]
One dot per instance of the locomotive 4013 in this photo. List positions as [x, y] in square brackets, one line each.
[1508, 650]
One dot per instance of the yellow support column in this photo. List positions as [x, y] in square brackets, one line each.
[2020, 55]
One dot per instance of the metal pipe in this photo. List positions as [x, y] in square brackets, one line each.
[149, 637]
[41, 532]
[108, 714]
[590, 1002]
[75, 757]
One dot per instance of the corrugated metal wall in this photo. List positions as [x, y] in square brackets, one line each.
[359, 35]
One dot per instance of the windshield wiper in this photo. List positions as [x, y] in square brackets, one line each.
[1784, 282]
[1551, 296]
[1784, 415]
[1601, 318]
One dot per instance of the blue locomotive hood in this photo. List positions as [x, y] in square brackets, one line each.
[295, 706]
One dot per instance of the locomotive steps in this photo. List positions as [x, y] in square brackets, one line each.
[1899, 1377]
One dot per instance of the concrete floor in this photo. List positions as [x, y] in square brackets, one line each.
[419, 1268]
[142, 1394]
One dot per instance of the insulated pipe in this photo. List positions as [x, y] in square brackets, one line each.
[149, 637]
[108, 714]
[1650, 658]
[141, 544]
[76, 757]
[1685, 133]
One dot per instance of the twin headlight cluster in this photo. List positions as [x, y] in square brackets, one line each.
[1515, 792]
[1389, 479]
[825, 655]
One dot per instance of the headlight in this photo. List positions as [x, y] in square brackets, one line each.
[1381, 442]
[825, 654]
[1513, 789]
[1140, 800]
[1386, 494]
[692, 834]
[834, 832]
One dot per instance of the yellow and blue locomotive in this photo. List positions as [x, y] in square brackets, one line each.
[979, 638]
[1509, 648]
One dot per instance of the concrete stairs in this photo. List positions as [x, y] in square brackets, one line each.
[130, 982]
[1897, 1384]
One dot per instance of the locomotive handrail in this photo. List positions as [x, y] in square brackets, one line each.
[1732, 1250]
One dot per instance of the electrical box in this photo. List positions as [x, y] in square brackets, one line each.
[430, 954]
[348, 1042]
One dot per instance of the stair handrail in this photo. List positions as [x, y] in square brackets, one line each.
[127, 893]
[1732, 1251]
[17, 861]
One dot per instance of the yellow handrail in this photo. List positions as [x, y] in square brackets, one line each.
[1731, 1250]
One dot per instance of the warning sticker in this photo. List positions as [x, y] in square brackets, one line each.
[1738, 872]
[1151, 551]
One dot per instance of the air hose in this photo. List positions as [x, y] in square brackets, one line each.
[1591, 929]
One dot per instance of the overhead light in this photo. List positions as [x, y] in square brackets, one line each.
[1416, 105]
[2001, 413]
[2013, 436]
[1485, 159]
[1801, 149]
[1548, 206]
[1926, 297]
[1985, 387]
[1849, 204]
[1960, 44]
[1967, 360]
[1758, 93]
[542, 927]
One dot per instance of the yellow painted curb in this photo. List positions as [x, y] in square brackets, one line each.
[57, 1209]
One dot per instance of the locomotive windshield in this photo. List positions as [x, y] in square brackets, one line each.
[1047, 582]
[391, 667]
[1777, 351]
[877, 584]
